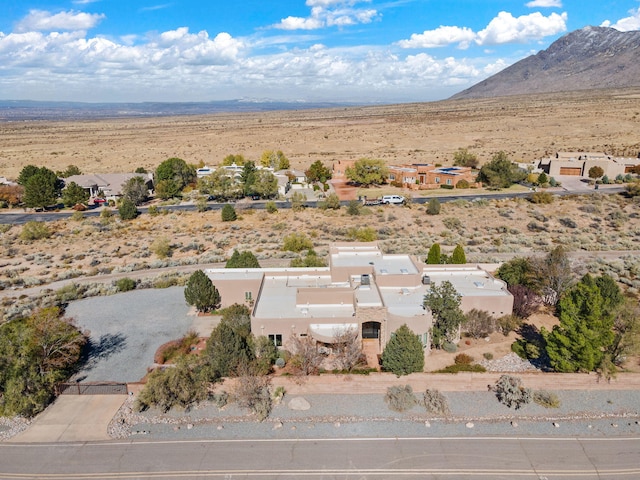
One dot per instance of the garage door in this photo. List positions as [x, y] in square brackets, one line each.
[570, 171]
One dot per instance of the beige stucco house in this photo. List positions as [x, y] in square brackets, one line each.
[579, 163]
[362, 288]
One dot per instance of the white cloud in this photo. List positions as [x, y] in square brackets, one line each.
[439, 37]
[545, 4]
[84, 2]
[329, 13]
[505, 28]
[626, 24]
[42, 20]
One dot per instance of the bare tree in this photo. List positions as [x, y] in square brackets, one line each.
[306, 356]
[479, 323]
[347, 348]
[554, 274]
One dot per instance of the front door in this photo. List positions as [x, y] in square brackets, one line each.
[370, 330]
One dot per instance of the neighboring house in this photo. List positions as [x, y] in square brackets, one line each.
[579, 163]
[420, 176]
[362, 288]
[107, 184]
[416, 176]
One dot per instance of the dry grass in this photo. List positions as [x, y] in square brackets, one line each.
[526, 127]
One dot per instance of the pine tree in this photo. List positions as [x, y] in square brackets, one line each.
[201, 293]
[444, 303]
[404, 353]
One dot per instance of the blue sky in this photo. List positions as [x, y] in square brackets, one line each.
[291, 50]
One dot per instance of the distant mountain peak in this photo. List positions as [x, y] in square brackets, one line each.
[589, 58]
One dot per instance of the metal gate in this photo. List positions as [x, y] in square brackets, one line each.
[91, 388]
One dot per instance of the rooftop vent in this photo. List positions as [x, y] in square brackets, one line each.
[364, 279]
[426, 280]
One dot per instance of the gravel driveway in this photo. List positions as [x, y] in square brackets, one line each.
[126, 330]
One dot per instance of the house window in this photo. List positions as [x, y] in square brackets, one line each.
[437, 179]
[448, 181]
[276, 339]
[248, 296]
[392, 176]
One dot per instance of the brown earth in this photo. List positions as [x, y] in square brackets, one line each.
[526, 127]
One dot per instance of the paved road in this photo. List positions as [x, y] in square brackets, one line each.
[459, 458]
[18, 218]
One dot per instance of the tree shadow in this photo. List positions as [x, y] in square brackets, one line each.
[107, 345]
[533, 341]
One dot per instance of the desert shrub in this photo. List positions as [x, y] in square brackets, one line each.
[181, 386]
[271, 207]
[435, 402]
[296, 242]
[153, 210]
[449, 347]
[541, 197]
[363, 234]
[567, 222]
[5, 227]
[546, 399]
[332, 202]
[161, 247]
[452, 223]
[456, 368]
[35, 231]
[220, 399]
[488, 355]
[77, 216]
[462, 184]
[463, 359]
[510, 392]
[125, 284]
[252, 392]
[479, 323]
[509, 323]
[400, 398]
[433, 207]
[228, 213]
[354, 208]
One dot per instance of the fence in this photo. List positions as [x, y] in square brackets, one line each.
[91, 388]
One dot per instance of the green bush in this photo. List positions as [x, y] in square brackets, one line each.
[362, 234]
[35, 231]
[404, 353]
[271, 207]
[400, 398]
[449, 347]
[228, 213]
[541, 197]
[435, 402]
[127, 209]
[354, 208]
[125, 284]
[161, 247]
[433, 207]
[297, 242]
[488, 355]
[546, 399]
[462, 184]
[446, 187]
[455, 368]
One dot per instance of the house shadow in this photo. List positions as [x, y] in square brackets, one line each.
[106, 346]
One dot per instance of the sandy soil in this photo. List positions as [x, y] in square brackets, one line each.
[526, 127]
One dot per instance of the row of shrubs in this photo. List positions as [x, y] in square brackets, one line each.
[508, 390]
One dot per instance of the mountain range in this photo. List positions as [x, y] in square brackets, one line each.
[585, 59]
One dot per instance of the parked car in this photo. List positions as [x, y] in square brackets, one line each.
[396, 199]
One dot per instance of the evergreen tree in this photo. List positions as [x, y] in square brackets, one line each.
[245, 259]
[74, 194]
[228, 351]
[458, 257]
[444, 303]
[127, 209]
[586, 327]
[500, 172]
[41, 189]
[135, 189]
[228, 213]
[434, 255]
[201, 293]
[404, 353]
[318, 172]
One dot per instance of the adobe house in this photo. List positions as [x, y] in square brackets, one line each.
[362, 288]
[420, 176]
[579, 164]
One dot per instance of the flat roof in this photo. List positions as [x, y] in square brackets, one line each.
[467, 281]
[381, 264]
